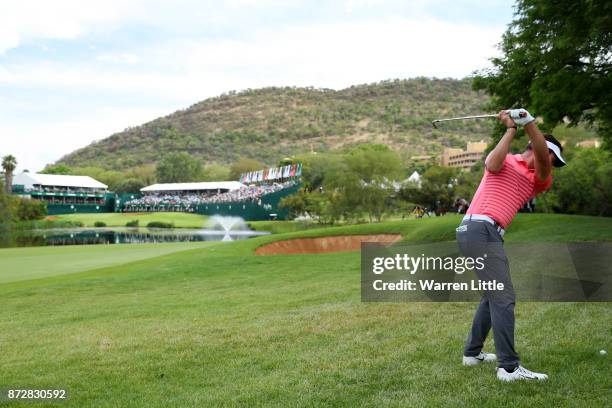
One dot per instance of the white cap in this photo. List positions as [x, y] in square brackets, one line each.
[559, 162]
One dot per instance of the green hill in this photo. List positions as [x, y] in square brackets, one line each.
[270, 123]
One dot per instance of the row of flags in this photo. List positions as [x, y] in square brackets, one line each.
[273, 173]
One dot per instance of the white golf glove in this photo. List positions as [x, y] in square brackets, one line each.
[520, 116]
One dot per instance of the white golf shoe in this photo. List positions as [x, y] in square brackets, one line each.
[521, 373]
[480, 358]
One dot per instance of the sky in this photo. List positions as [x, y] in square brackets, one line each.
[74, 72]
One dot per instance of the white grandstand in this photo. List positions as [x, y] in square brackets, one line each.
[201, 188]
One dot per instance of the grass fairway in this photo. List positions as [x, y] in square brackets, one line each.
[19, 264]
[180, 220]
[218, 326]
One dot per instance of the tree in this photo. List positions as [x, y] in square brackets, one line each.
[244, 165]
[556, 62]
[178, 167]
[57, 169]
[315, 167]
[374, 163]
[346, 186]
[217, 172]
[365, 180]
[5, 214]
[28, 209]
[296, 204]
[145, 173]
[130, 185]
[584, 186]
[9, 164]
[437, 188]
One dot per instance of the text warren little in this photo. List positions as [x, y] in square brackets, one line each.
[431, 285]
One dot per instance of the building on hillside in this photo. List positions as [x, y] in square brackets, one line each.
[62, 193]
[589, 143]
[200, 189]
[463, 159]
[422, 159]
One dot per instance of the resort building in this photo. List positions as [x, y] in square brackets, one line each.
[463, 159]
[589, 143]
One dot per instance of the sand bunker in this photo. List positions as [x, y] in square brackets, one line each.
[340, 243]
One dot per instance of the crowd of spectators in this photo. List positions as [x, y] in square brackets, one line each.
[251, 193]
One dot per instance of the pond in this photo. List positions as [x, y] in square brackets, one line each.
[217, 228]
[92, 236]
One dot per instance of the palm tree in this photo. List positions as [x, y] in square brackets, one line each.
[9, 163]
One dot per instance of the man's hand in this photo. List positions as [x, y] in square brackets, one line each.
[504, 117]
[520, 116]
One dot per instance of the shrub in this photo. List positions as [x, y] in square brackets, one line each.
[47, 224]
[160, 224]
[133, 223]
[28, 209]
[98, 224]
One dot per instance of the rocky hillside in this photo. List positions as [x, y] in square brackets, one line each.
[270, 123]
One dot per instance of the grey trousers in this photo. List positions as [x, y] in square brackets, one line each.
[496, 308]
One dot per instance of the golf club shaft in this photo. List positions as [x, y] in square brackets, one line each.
[434, 122]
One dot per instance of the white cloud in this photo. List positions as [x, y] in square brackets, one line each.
[35, 144]
[121, 58]
[325, 55]
[58, 19]
[176, 71]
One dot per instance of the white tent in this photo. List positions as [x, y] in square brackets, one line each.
[415, 178]
[203, 186]
[33, 180]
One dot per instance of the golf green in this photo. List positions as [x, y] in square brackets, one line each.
[180, 220]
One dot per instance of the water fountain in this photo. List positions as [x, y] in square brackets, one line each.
[231, 227]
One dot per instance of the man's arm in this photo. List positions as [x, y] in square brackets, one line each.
[543, 167]
[495, 159]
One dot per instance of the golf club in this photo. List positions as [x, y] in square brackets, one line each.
[435, 122]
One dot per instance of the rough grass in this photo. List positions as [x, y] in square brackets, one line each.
[180, 220]
[217, 326]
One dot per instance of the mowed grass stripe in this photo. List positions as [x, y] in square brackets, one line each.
[20, 264]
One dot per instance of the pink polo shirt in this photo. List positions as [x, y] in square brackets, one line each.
[500, 195]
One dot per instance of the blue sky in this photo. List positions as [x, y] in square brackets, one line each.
[71, 74]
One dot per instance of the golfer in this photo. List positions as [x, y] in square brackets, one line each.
[509, 181]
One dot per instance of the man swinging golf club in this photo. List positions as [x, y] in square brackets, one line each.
[509, 181]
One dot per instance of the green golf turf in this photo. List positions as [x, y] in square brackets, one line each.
[180, 220]
[18, 264]
[218, 326]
